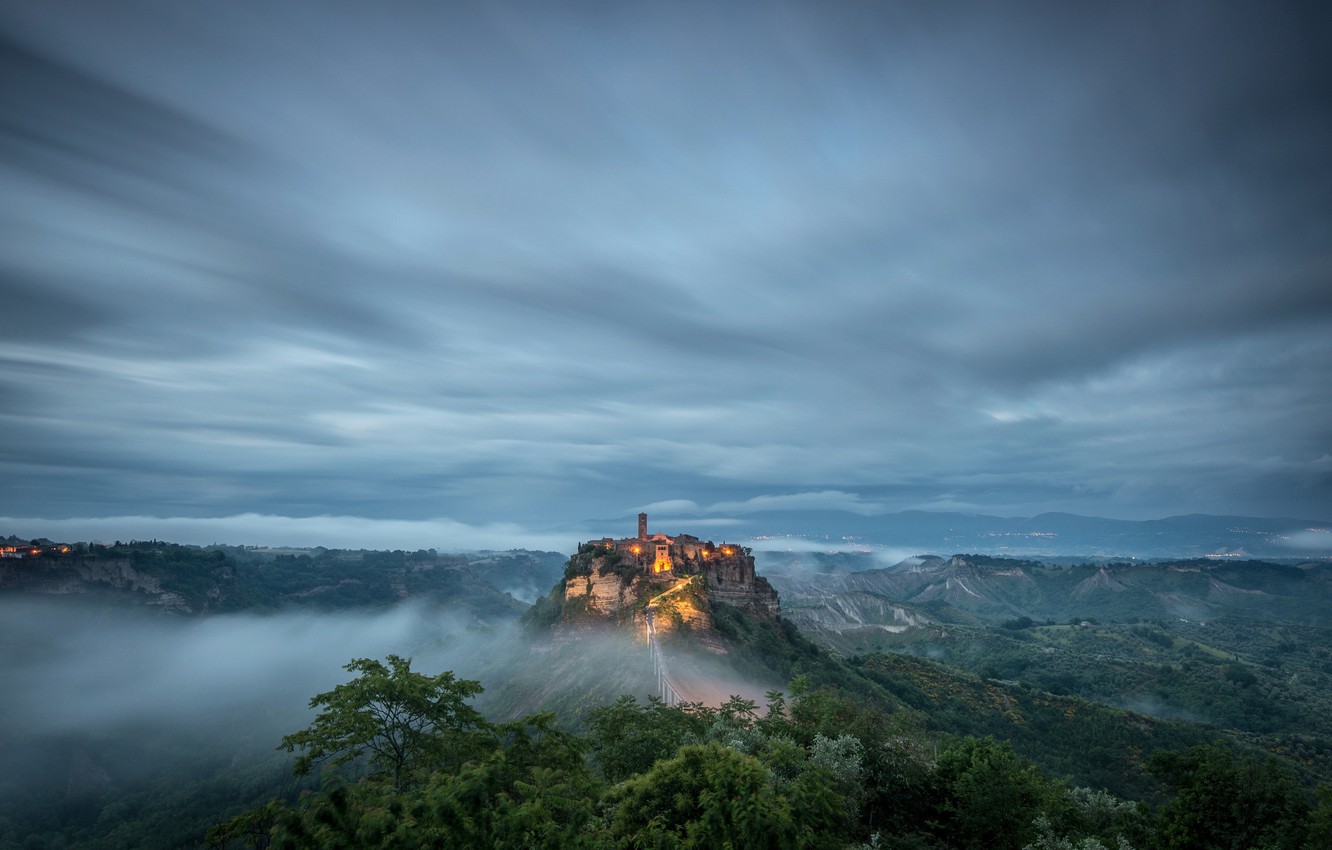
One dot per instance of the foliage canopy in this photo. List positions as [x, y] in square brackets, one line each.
[405, 722]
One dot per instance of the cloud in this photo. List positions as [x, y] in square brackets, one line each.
[117, 669]
[826, 500]
[801, 544]
[669, 506]
[333, 532]
[1008, 259]
[1309, 539]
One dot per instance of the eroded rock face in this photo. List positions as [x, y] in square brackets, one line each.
[682, 605]
[727, 578]
[600, 594]
[679, 577]
[756, 596]
[72, 576]
[731, 580]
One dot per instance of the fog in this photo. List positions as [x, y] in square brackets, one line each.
[802, 560]
[236, 683]
[1154, 707]
[72, 667]
[100, 699]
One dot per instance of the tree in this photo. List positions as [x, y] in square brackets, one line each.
[710, 796]
[1088, 819]
[841, 760]
[628, 738]
[1223, 802]
[1320, 821]
[531, 791]
[988, 796]
[248, 829]
[534, 794]
[406, 723]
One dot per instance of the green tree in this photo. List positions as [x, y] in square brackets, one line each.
[841, 760]
[534, 793]
[248, 829]
[406, 723]
[1102, 815]
[1222, 802]
[531, 792]
[1320, 821]
[628, 738]
[713, 797]
[988, 796]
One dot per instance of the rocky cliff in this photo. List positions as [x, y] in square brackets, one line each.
[602, 587]
[206, 589]
[192, 580]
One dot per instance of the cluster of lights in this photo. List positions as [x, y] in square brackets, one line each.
[725, 550]
[31, 552]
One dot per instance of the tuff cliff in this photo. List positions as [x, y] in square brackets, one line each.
[678, 579]
[204, 584]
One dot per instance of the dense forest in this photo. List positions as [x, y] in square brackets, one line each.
[816, 769]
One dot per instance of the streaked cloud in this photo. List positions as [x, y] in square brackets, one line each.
[520, 267]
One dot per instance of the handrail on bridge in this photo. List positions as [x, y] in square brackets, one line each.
[665, 689]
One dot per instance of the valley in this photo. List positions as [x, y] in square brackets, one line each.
[1086, 669]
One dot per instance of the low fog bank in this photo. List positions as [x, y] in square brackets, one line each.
[1155, 707]
[702, 676]
[66, 666]
[809, 560]
[70, 667]
[100, 701]
[580, 670]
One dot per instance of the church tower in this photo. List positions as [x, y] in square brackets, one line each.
[642, 526]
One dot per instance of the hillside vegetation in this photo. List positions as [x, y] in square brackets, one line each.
[819, 770]
[1235, 648]
[207, 580]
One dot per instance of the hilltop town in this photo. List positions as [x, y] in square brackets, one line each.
[620, 578]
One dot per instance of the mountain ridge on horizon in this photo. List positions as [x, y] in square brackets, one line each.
[1049, 534]
[1052, 534]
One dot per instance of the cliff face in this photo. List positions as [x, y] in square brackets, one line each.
[604, 586]
[88, 574]
[602, 595]
[728, 573]
[759, 598]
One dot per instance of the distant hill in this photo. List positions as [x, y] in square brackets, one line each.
[1046, 535]
[1236, 647]
[191, 580]
[975, 589]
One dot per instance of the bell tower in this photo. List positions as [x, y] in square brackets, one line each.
[642, 526]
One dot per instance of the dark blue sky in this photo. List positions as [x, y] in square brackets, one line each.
[429, 268]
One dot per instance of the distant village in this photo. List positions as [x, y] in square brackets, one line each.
[683, 553]
[14, 547]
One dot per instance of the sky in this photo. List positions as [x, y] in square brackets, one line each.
[481, 274]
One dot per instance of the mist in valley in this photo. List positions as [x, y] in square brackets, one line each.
[102, 699]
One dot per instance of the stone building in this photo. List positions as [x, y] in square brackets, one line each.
[727, 568]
